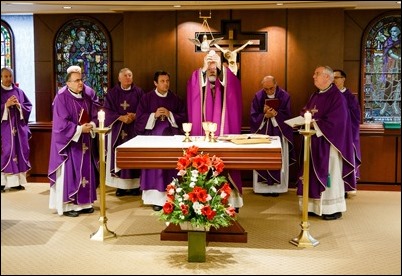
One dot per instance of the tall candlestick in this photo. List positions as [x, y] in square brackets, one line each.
[307, 120]
[101, 118]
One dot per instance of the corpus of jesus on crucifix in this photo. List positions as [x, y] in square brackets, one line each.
[228, 46]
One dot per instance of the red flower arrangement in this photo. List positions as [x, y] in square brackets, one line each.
[200, 194]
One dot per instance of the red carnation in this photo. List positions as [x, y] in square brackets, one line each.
[168, 207]
[208, 212]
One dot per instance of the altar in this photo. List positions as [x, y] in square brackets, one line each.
[162, 152]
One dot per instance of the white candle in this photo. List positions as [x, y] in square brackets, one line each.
[307, 120]
[101, 118]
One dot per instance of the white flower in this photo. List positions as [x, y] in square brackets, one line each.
[197, 207]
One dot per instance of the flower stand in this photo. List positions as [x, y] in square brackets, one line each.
[197, 243]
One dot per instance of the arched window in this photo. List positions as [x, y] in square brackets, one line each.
[381, 69]
[84, 42]
[7, 47]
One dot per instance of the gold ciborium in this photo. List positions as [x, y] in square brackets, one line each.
[212, 128]
[205, 127]
[187, 128]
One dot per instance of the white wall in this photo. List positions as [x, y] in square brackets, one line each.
[22, 26]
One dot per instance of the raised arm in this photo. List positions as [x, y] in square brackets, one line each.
[243, 46]
[220, 48]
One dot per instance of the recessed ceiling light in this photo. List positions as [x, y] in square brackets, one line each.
[67, 8]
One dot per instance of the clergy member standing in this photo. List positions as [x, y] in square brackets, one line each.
[269, 110]
[332, 163]
[210, 98]
[160, 112]
[120, 107]
[15, 133]
[73, 162]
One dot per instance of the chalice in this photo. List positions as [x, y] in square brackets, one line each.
[205, 127]
[187, 128]
[212, 128]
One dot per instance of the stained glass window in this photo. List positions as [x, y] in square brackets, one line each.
[85, 43]
[7, 46]
[381, 77]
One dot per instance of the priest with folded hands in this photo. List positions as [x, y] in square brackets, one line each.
[270, 108]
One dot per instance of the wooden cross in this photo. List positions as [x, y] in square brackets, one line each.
[124, 105]
[236, 38]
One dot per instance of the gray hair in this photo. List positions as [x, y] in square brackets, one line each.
[269, 77]
[7, 69]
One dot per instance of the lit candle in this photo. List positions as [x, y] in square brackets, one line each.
[307, 120]
[101, 118]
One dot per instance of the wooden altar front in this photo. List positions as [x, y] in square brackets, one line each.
[162, 152]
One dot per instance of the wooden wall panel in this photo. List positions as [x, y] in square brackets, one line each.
[40, 148]
[378, 159]
[256, 65]
[150, 45]
[314, 39]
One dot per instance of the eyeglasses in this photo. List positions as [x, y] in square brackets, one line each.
[269, 88]
[76, 81]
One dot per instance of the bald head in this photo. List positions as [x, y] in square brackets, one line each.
[269, 85]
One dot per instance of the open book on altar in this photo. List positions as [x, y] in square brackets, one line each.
[296, 121]
[84, 117]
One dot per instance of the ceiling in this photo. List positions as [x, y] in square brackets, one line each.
[53, 7]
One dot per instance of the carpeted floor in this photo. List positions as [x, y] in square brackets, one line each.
[34, 240]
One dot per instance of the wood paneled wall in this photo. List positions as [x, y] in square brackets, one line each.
[298, 41]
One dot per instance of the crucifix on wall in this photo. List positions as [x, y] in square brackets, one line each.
[238, 41]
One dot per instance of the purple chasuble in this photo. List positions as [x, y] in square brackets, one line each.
[158, 179]
[354, 112]
[222, 106]
[15, 133]
[331, 113]
[89, 91]
[80, 158]
[120, 102]
[282, 130]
